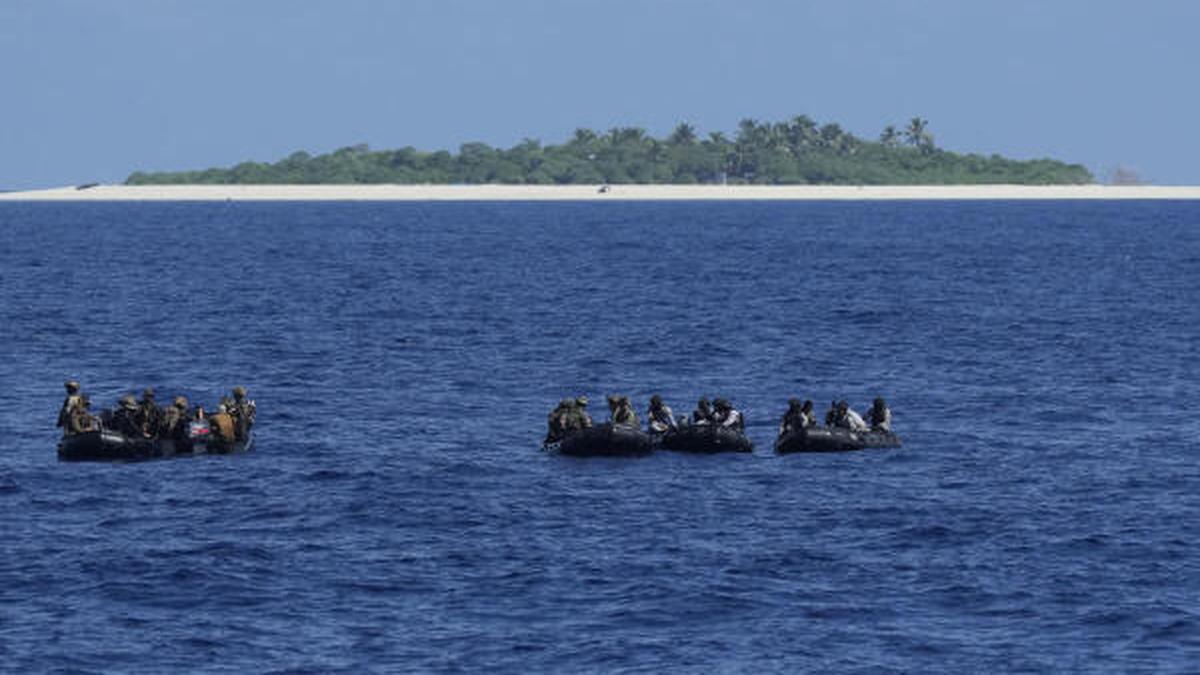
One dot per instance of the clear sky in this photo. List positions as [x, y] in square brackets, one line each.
[93, 90]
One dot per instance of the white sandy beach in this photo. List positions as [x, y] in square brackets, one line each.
[595, 192]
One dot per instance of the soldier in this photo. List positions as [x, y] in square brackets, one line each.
[80, 420]
[831, 415]
[703, 413]
[659, 417]
[68, 405]
[149, 416]
[622, 411]
[243, 411]
[579, 418]
[846, 418]
[558, 421]
[125, 418]
[223, 433]
[797, 416]
[879, 416]
[725, 415]
[174, 419]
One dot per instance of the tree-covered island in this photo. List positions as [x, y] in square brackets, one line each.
[797, 151]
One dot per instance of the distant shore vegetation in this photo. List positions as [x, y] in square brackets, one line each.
[794, 152]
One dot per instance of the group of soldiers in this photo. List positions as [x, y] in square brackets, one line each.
[571, 415]
[145, 419]
[800, 416]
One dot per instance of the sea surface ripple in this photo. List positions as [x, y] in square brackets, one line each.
[1042, 360]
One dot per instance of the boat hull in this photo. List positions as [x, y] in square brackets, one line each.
[606, 440]
[109, 446]
[834, 439]
[706, 439]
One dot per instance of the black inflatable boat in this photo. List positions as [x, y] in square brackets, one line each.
[107, 445]
[834, 439]
[706, 438]
[605, 440]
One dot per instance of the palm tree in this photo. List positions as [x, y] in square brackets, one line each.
[890, 137]
[916, 135]
[801, 132]
[684, 134]
[583, 137]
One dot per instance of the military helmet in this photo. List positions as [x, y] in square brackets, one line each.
[180, 402]
[721, 404]
[581, 401]
[127, 401]
[566, 403]
[148, 392]
[239, 392]
[655, 401]
[842, 406]
[72, 386]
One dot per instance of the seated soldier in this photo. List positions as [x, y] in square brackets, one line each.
[879, 416]
[622, 411]
[798, 416]
[558, 421]
[81, 419]
[845, 418]
[174, 420]
[222, 434]
[149, 415]
[125, 418]
[726, 416]
[578, 417]
[659, 417]
[703, 413]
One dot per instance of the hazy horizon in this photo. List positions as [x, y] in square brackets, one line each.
[99, 92]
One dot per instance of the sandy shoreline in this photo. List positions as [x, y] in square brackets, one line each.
[594, 192]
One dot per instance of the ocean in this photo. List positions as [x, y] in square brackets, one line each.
[1042, 361]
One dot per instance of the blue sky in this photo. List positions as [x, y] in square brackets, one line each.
[93, 90]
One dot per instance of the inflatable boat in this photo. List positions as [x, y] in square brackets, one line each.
[604, 440]
[107, 445]
[834, 439]
[706, 438]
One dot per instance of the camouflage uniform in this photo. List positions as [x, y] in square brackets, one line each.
[623, 413]
[558, 421]
[243, 411]
[149, 415]
[174, 419]
[68, 405]
[578, 418]
[221, 424]
[80, 420]
[125, 418]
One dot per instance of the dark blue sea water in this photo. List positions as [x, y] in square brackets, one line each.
[1042, 361]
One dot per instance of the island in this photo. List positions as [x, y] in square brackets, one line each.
[798, 151]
